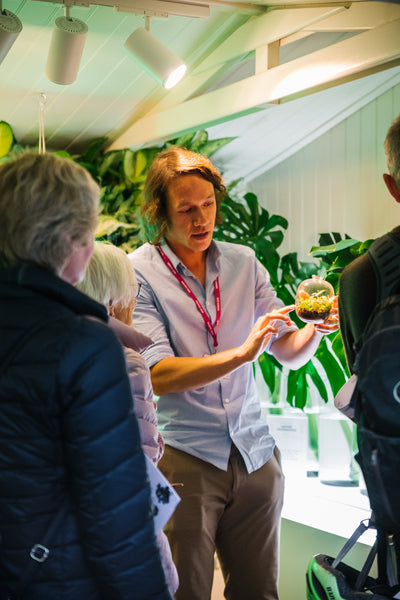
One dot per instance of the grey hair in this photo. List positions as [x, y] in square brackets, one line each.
[47, 203]
[392, 150]
[110, 277]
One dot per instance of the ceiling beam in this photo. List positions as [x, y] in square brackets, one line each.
[245, 6]
[273, 26]
[358, 17]
[265, 29]
[361, 55]
[258, 32]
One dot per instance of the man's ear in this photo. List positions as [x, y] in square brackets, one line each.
[391, 186]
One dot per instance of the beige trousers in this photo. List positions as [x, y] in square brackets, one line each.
[233, 513]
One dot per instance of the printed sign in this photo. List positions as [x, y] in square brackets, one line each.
[164, 497]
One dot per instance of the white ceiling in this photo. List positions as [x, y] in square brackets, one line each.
[266, 138]
[281, 72]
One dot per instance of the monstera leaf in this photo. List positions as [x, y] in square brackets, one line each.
[246, 222]
[250, 224]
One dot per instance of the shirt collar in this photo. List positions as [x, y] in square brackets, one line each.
[171, 255]
[213, 257]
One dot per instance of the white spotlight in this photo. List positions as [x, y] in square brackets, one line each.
[155, 57]
[65, 50]
[10, 28]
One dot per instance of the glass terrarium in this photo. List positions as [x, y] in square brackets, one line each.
[314, 300]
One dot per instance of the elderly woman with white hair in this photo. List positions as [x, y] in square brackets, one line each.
[110, 279]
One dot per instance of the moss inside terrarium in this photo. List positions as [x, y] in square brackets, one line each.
[314, 308]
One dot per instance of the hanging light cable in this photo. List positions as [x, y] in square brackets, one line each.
[42, 141]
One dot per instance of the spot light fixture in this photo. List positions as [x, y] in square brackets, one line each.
[66, 47]
[10, 28]
[155, 57]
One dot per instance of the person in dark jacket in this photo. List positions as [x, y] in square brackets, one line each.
[358, 290]
[68, 434]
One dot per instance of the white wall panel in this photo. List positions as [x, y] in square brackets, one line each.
[335, 183]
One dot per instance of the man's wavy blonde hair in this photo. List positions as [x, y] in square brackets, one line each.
[169, 164]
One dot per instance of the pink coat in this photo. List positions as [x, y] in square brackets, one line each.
[145, 407]
[152, 440]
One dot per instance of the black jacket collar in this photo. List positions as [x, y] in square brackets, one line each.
[42, 281]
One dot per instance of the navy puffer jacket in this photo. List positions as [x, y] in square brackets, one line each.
[67, 427]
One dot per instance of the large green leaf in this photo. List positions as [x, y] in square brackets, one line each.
[107, 162]
[297, 388]
[93, 151]
[269, 366]
[316, 380]
[212, 146]
[317, 251]
[277, 221]
[254, 211]
[248, 223]
[331, 365]
[199, 141]
[338, 350]
[301, 383]
[108, 225]
[185, 140]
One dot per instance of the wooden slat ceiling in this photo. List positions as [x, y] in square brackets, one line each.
[244, 58]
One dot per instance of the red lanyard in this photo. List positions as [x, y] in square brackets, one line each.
[187, 289]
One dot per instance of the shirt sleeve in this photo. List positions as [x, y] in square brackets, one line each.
[147, 317]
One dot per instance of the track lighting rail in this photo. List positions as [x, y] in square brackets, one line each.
[153, 8]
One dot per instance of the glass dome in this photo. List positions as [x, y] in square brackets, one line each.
[314, 300]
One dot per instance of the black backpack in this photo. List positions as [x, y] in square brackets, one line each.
[376, 404]
[376, 398]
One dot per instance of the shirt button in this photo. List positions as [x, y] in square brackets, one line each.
[226, 400]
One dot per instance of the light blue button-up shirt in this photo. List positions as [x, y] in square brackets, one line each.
[205, 421]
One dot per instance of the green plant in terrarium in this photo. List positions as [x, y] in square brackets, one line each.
[314, 300]
[314, 308]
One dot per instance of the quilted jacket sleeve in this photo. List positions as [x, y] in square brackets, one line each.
[106, 467]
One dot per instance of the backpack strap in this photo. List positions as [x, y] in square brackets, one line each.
[363, 574]
[384, 254]
[383, 548]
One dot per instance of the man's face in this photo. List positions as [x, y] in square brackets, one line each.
[191, 211]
